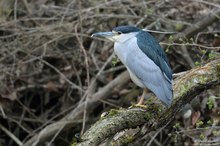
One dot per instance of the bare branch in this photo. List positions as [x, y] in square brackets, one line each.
[115, 85]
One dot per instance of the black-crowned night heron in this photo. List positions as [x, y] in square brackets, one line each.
[144, 59]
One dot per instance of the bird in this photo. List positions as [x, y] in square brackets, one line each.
[144, 59]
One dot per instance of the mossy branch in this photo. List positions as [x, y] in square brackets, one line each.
[186, 87]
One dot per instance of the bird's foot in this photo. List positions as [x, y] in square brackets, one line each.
[138, 105]
[141, 101]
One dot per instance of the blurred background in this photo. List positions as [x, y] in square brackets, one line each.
[49, 65]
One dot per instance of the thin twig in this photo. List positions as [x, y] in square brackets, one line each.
[207, 3]
[11, 135]
[15, 10]
[189, 44]
[26, 6]
[87, 67]
[156, 133]
[61, 74]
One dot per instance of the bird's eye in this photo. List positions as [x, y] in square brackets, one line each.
[118, 32]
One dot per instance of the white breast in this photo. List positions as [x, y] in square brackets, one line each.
[124, 50]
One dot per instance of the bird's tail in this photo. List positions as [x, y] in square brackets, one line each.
[166, 93]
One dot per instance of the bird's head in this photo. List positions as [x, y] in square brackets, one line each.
[119, 34]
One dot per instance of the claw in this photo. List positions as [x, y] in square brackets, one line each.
[140, 105]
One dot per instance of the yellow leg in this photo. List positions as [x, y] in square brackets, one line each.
[141, 101]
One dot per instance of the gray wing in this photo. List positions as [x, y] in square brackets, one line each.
[153, 50]
[149, 74]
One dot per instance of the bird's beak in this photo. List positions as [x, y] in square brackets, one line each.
[106, 35]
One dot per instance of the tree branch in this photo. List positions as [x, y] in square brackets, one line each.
[200, 25]
[186, 87]
[68, 121]
[212, 17]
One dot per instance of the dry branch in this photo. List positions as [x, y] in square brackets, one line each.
[200, 25]
[212, 17]
[115, 85]
[186, 87]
